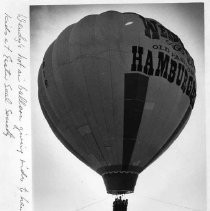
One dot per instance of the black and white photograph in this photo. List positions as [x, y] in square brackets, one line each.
[104, 107]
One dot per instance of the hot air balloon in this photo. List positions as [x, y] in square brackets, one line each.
[117, 89]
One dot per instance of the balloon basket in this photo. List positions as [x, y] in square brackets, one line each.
[120, 204]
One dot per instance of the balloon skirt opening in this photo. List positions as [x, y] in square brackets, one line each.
[120, 182]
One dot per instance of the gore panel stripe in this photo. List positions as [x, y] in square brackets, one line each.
[173, 136]
[134, 98]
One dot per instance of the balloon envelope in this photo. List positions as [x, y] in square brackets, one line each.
[117, 89]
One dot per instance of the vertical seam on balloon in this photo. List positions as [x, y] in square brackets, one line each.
[170, 140]
[162, 111]
[113, 110]
[53, 76]
[51, 123]
[68, 111]
[110, 71]
[173, 110]
[158, 91]
[95, 140]
[91, 106]
[83, 139]
[101, 94]
[88, 122]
